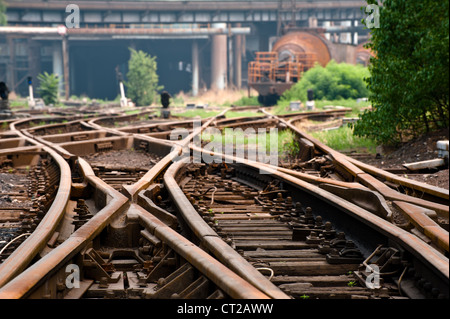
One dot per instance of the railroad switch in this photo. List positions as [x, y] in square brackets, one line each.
[382, 264]
[347, 255]
[81, 214]
[95, 267]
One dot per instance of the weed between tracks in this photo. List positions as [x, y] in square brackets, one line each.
[342, 139]
[283, 142]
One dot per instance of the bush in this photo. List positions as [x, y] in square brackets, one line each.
[409, 77]
[247, 101]
[334, 82]
[142, 84]
[48, 87]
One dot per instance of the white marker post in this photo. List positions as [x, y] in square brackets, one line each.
[123, 99]
[31, 101]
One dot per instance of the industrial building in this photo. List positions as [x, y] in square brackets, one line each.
[199, 45]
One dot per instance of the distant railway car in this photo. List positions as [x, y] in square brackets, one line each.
[274, 72]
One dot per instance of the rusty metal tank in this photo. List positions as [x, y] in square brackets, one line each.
[303, 42]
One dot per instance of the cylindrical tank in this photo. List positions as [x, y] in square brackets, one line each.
[302, 42]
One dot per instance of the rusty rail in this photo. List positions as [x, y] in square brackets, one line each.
[25, 253]
[237, 278]
[421, 250]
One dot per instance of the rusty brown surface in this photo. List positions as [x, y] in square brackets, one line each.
[308, 42]
[359, 177]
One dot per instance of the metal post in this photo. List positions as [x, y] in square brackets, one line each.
[238, 59]
[355, 35]
[31, 101]
[12, 65]
[195, 64]
[34, 58]
[123, 99]
[58, 65]
[219, 59]
[65, 51]
[230, 60]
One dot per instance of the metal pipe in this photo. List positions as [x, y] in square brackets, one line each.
[219, 59]
[125, 31]
[195, 68]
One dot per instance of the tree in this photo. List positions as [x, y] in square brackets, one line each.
[142, 78]
[48, 87]
[409, 77]
[2, 13]
[333, 82]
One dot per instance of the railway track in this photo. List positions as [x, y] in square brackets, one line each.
[150, 227]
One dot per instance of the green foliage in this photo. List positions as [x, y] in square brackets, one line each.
[233, 114]
[409, 82]
[343, 139]
[356, 106]
[197, 112]
[284, 140]
[287, 143]
[333, 82]
[142, 84]
[247, 101]
[2, 13]
[48, 88]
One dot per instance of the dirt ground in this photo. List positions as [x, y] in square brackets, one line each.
[421, 149]
[12, 184]
[121, 158]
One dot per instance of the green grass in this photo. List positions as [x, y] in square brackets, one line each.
[197, 112]
[247, 101]
[18, 104]
[233, 114]
[343, 140]
[205, 113]
[283, 106]
[284, 141]
[131, 112]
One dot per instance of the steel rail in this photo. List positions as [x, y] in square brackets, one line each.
[208, 237]
[422, 187]
[226, 279]
[24, 254]
[422, 220]
[23, 284]
[366, 175]
[412, 243]
[223, 277]
[211, 240]
[436, 234]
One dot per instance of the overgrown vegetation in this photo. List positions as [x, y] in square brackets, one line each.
[343, 140]
[247, 101]
[142, 84]
[357, 106]
[335, 81]
[197, 112]
[48, 87]
[284, 141]
[233, 114]
[409, 77]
